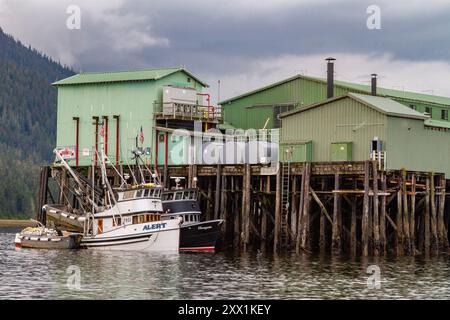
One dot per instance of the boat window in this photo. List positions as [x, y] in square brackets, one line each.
[146, 192]
[157, 193]
[192, 195]
[128, 195]
[178, 195]
[139, 193]
[185, 195]
[141, 218]
[135, 219]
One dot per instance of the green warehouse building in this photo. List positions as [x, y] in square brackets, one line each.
[124, 109]
[357, 127]
[252, 109]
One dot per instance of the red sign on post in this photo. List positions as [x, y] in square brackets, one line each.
[67, 153]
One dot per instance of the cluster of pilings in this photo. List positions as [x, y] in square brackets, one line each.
[351, 208]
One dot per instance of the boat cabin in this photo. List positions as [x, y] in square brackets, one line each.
[154, 193]
[180, 195]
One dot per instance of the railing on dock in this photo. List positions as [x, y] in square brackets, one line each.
[181, 111]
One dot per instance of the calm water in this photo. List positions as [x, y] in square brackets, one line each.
[41, 274]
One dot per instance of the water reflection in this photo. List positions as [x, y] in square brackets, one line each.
[41, 274]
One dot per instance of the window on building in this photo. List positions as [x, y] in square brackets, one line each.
[428, 110]
[280, 109]
[444, 114]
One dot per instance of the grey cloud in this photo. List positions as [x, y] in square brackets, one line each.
[215, 38]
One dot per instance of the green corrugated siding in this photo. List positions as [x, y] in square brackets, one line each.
[301, 92]
[410, 145]
[132, 101]
[341, 120]
[304, 91]
[342, 151]
[296, 152]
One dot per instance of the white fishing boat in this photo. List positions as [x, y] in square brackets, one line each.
[124, 219]
[134, 223]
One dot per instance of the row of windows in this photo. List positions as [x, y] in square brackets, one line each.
[444, 113]
[142, 218]
[179, 195]
[191, 218]
[152, 193]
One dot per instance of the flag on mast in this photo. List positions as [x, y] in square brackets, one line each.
[141, 136]
[102, 130]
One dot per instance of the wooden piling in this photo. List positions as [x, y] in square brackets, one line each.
[376, 225]
[300, 211]
[337, 219]
[305, 240]
[223, 207]
[277, 227]
[383, 215]
[294, 209]
[427, 218]
[217, 193]
[246, 207]
[406, 232]
[264, 217]
[434, 236]
[365, 214]
[443, 240]
[412, 218]
[236, 213]
[399, 220]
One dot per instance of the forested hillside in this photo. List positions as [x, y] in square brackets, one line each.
[28, 122]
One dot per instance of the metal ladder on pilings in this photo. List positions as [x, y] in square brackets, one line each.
[285, 189]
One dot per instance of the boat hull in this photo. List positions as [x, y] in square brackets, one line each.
[38, 242]
[201, 236]
[154, 236]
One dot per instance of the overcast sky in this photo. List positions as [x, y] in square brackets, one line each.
[248, 43]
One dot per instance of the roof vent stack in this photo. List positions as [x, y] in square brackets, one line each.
[330, 77]
[374, 84]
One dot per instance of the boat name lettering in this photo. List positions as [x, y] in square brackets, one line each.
[155, 226]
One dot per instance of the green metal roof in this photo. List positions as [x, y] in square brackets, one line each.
[388, 106]
[408, 95]
[381, 104]
[121, 76]
[437, 123]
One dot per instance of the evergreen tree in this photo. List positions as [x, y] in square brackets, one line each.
[28, 123]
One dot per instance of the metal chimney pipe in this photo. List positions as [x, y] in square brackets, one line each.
[330, 77]
[374, 84]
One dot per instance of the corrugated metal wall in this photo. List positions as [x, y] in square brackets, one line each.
[344, 120]
[302, 92]
[414, 147]
[132, 101]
